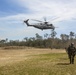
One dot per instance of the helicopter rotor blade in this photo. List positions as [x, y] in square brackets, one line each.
[56, 27]
[73, 18]
[36, 20]
[54, 18]
[45, 19]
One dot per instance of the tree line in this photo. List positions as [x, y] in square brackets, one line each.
[46, 41]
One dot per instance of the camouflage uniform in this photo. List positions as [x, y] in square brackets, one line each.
[71, 53]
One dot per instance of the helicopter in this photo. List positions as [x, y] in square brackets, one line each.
[41, 25]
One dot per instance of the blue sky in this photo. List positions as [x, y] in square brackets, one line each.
[7, 7]
[13, 12]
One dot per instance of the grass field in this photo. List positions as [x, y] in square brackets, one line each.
[35, 62]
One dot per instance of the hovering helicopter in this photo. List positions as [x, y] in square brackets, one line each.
[42, 25]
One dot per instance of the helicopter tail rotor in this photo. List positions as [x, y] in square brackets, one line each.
[26, 21]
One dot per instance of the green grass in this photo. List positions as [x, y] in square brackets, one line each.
[42, 64]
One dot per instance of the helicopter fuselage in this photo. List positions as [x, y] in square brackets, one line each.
[41, 26]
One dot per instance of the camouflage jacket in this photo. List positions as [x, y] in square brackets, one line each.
[71, 49]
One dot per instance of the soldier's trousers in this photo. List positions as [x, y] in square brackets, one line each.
[71, 57]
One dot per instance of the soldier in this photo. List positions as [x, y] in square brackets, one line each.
[71, 53]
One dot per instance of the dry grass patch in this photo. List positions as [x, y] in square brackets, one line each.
[49, 63]
[14, 55]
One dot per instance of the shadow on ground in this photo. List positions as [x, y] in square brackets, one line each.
[63, 63]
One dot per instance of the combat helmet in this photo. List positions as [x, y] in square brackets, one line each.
[72, 44]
